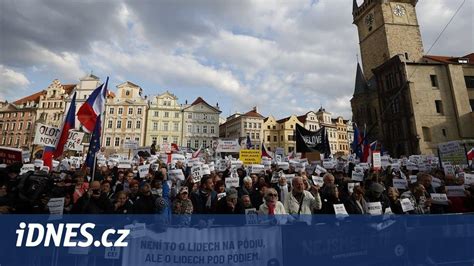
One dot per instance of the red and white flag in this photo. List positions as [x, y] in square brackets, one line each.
[93, 107]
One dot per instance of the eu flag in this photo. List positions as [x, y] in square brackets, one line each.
[94, 145]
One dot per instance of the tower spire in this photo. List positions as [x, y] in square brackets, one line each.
[354, 6]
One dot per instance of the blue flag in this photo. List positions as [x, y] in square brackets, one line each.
[94, 145]
[356, 144]
[249, 143]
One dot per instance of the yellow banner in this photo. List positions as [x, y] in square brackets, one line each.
[250, 156]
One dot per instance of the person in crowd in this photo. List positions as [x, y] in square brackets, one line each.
[122, 204]
[375, 193]
[272, 205]
[282, 187]
[246, 202]
[105, 188]
[93, 201]
[6, 201]
[247, 188]
[182, 204]
[230, 204]
[133, 190]
[356, 203]
[417, 196]
[300, 201]
[394, 200]
[81, 186]
[330, 196]
[68, 205]
[205, 198]
[328, 179]
[145, 201]
[220, 187]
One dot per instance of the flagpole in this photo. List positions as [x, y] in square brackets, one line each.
[93, 167]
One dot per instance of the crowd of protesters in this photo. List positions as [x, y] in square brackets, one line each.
[122, 191]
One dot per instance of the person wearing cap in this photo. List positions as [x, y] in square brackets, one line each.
[182, 204]
[230, 203]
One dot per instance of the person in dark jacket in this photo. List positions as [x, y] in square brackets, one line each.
[205, 198]
[145, 202]
[356, 203]
[122, 204]
[93, 202]
[329, 197]
[230, 204]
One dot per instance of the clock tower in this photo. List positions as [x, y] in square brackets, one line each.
[387, 28]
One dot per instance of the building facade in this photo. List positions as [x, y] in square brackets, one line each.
[271, 133]
[325, 120]
[52, 103]
[423, 100]
[239, 126]
[200, 124]
[310, 121]
[125, 117]
[287, 133]
[164, 120]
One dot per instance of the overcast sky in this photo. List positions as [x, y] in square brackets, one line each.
[286, 57]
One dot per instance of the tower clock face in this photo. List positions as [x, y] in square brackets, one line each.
[369, 19]
[399, 10]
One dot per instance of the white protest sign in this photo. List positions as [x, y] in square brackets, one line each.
[283, 165]
[328, 164]
[374, 208]
[385, 161]
[400, 183]
[26, 168]
[143, 170]
[437, 198]
[267, 165]
[212, 167]
[351, 186]
[251, 216]
[205, 169]
[228, 146]
[388, 210]
[340, 210]
[299, 167]
[358, 174]
[74, 141]
[137, 230]
[411, 166]
[38, 163]
[177, 158]
[455, 191]
[102, 162]
[196, 172]
[56, 206]
[236, 164]
[377, 160]
[232, 181]
[221, 195]
[165, 148]
[112, 253]
[257, 168]
[320, 170]
[47, 136]
[176, 174]
[468, 179]
[449, 169]
[435, 182]
[407, 205]
[124, 164]
[318, 180]
[276, 176]
[289, 177]
[413, 179]
[45, 168]
[396, 166]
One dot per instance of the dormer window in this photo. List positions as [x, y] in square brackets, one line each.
[127, 93]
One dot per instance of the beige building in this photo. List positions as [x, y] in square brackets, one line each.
[271, 133]
[287, 133]
[424, 99]
[239, 126]
[164, 120]
[342, 144]
[125, 117]
[325, 120]
[310, 121]
[200, 124]
[51, 108]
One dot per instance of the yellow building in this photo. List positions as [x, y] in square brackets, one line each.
[164, 120]
[271, 133]
[52, 103]
[238, 126]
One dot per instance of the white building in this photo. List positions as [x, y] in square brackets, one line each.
[200, 124]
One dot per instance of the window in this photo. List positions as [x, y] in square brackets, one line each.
[253, 136]
[119, 124]
[165, 126]
[127, 93]
[190, 116]
[426, 133]
[281, 137]
[469, 82]
[259, 125]
[290, 137]
[434, 80]
[175, 140]
[130, 111]
[274, 127]
[28, 126]
[268, 138]
[204, 129]
[167, 114]
[153, 139]
[268, 127]
[245, 124]
[120, 111]
[190, 128]
[176, 115]
[291, 126]
[439, 106]
[156, 114]
[117, 142]
[107, 141]
[196, 143]
[257, 135]
[137, 139]
[13, 126]
[10, 141]
[188, 143]
[212, 130]
[165, 139]
[444, 132]
[129, 124]
[20, 126]
[155, 126]
[204, 143]
[198, 129]
[6, 126]
[176, 126]
[275, 139]
[471, 102]
[139, 124]
[139, 111]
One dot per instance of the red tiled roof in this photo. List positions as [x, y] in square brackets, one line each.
[34, 97]
[201, 100]
[68, 88]
[450, 59]
[283, 120]
[110, 94]
[302, 118]
[252, 113]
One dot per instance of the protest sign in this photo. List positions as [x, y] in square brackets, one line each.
[299, 167]
[232, 181]
[236, 164]
[468, 179]
[289, 177]
[358, 174]
[407, 205]
[251, 216]
[47, 136]
[400, 183]
[177, 158]
[377, 160]
[247, 245]
[328, 164]
[320, 170]
[455, 191]
[453, 152]
[411, 166]
[124, 164]
[176, 174]
[228, 146]
[137, 230]
[38, 163]
[437, 198]
[250, 156]
[196, 172]
[449, 169]
[112, 253]
[374, 208]
[205, 169]
[351, 186]
[45, 168]
[27, 168]
[435, 182]
[165, 148]
[340, 210]
[74, 141]
[257, 168]
[413, 179]
[318, 180]
[221, 195]
[385, 161]
[56, 206]
[283, 165]
[143, 170]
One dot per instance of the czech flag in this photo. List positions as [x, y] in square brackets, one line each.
[68, 124]
[470, 155]
[356, 144]
[93, 107]
[264, 152]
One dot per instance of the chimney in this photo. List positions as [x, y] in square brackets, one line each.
[255, 109]
[186, 102]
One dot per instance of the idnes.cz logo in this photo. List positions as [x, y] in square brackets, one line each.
[68, 235]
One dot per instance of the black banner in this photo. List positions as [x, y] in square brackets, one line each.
[312, 141]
